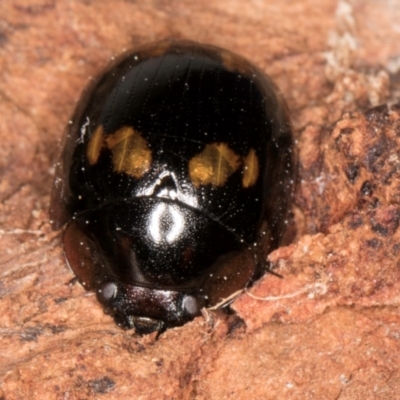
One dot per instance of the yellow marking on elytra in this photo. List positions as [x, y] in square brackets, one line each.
[122, 157]
[94, 146]
[130, 152]
[251, 169]
[213, 165]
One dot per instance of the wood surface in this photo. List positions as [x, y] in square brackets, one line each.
[330, 328]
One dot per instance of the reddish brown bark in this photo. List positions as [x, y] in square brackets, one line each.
[330, 328]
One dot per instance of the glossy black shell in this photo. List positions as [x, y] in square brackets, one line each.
[174, 182]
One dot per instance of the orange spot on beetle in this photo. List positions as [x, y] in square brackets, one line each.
[250, 169]
[213, 165]
[95, 144]
[130, 152]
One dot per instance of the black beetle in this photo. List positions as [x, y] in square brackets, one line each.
[175, 181]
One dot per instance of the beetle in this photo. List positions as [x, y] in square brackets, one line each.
[174, 182]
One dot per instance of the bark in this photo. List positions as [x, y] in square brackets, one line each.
[330, 328]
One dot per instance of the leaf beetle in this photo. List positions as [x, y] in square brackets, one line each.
[174, 182]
